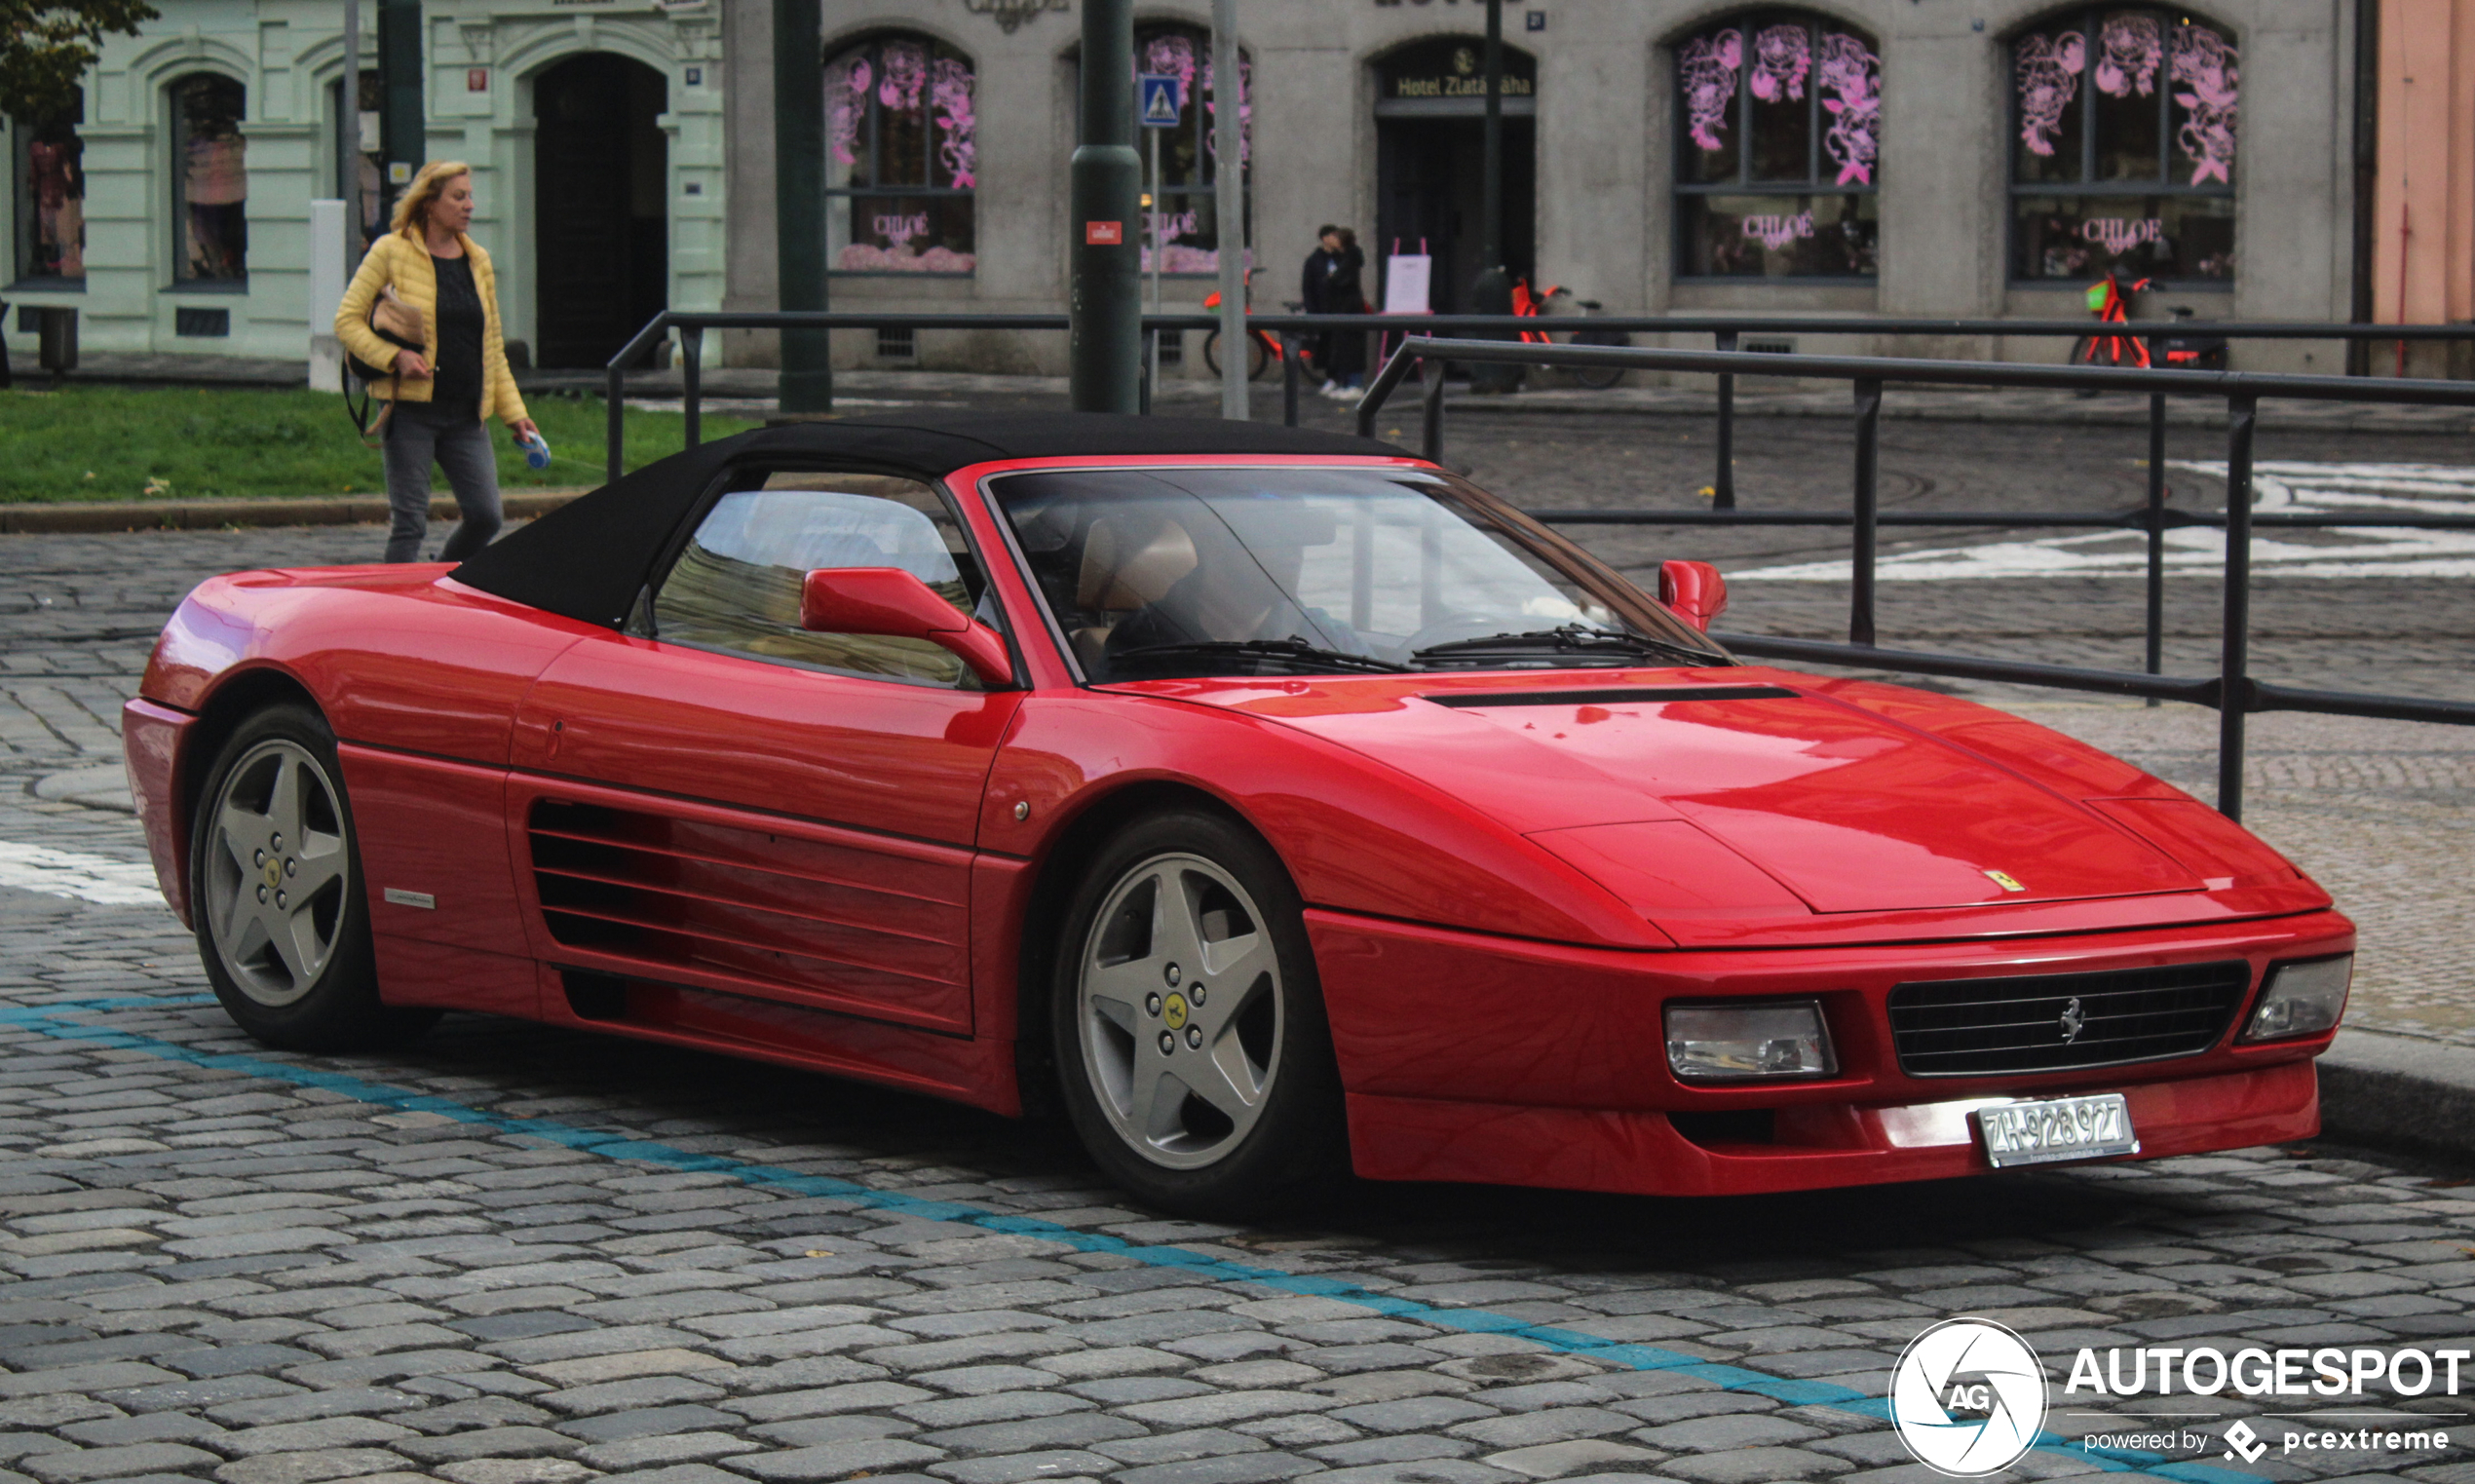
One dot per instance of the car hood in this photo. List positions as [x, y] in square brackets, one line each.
[1633, 777]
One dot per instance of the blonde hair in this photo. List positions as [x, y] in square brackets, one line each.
[412, 209]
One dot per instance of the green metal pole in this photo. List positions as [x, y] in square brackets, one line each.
[348, 140]
[1104, 300]
[401, 123]
[1492, 294]
[1228, 208]
[799, 199]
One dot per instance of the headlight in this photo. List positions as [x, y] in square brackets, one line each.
[2302, 999]
[1733, 1042]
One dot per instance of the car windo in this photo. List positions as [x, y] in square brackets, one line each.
[1274, 805]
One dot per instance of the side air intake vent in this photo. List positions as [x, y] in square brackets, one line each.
[811, 919]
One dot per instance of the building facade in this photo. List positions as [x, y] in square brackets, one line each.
[1914, 158]
[2422, 237]
[173, 212]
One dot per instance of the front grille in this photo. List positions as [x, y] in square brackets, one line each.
[1971, 1027]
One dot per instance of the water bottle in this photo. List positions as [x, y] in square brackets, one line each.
[536, 450]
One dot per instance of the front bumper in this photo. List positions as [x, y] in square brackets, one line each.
[152, 738]
[1475, 1058]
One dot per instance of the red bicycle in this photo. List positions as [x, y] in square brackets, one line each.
[1263, 348]
[2109, 300]
[1534, 305]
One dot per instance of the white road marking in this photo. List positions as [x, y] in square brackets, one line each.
[79, 876]
[2295, 485]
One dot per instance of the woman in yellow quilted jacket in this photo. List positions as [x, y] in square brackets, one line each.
[440, 393]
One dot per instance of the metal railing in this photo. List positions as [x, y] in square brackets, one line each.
[2232, 691]
[1293, 332]
[1293, 329]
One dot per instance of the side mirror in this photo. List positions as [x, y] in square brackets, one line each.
[1693, 590]
[896, 604]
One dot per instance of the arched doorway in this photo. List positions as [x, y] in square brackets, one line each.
[1431, 109]
[600, 227]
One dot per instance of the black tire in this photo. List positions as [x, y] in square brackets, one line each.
[317, 988]
[2085, 352]
[1257, 356]
[1191, 1157]
[1599, 378]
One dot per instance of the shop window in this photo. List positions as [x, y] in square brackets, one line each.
[1187, 216]
[1779, 149]
[899, 162]
[47, 178]
[211, 180]
[2122, 147]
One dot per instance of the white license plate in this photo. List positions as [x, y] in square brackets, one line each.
[2056, 1128]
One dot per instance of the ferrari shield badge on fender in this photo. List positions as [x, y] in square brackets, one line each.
[2006, 880]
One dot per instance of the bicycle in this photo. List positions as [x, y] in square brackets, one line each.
[1534, 305]
[2107, 302]
[1263, 348]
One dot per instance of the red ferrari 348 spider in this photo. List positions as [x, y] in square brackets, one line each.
[1274, 803]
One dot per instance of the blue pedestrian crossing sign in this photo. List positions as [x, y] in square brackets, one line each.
[1162, 99]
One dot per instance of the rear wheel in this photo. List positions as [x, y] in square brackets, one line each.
[1196, 1062]
[282, 919]
[1599, 378]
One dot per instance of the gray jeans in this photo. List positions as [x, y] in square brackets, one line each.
[417, 435]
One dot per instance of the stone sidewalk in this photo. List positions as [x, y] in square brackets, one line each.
[511, 1254]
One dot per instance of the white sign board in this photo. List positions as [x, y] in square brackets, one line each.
[1407, 280]
[326, 280]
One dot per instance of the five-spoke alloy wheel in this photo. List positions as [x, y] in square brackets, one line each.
[1197, 1064]
[275, 872]
[276, 892]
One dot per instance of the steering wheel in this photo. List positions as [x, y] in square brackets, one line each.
[1451, 626]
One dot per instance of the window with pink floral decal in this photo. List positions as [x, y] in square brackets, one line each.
[47, 167]
[1778, 148]
[1186, 209]
[900, 122]
[2122, 147]
[209, 180]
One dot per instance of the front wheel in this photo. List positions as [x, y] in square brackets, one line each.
[2096, 350]
[283, 918]
[1257, 355]
[1196, 1061]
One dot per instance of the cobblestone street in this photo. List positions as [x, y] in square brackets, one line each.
[515, 1255]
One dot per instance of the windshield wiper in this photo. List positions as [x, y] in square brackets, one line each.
[1568, 638]
[1293, 651]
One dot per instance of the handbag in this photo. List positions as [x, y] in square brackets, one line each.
[400, 325]
[395, 321]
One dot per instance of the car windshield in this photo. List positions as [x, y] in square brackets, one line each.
[1253, 570]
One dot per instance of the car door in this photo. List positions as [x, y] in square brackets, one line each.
[718, 799]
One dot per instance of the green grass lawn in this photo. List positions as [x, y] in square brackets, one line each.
[105, 443]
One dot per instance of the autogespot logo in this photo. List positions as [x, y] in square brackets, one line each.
[1968, 1398]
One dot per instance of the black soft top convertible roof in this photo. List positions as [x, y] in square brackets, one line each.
[590, 558]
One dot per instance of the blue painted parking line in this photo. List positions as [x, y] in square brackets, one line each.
[45, 1020]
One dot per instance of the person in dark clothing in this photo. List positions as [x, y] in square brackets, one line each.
[1331, 284]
